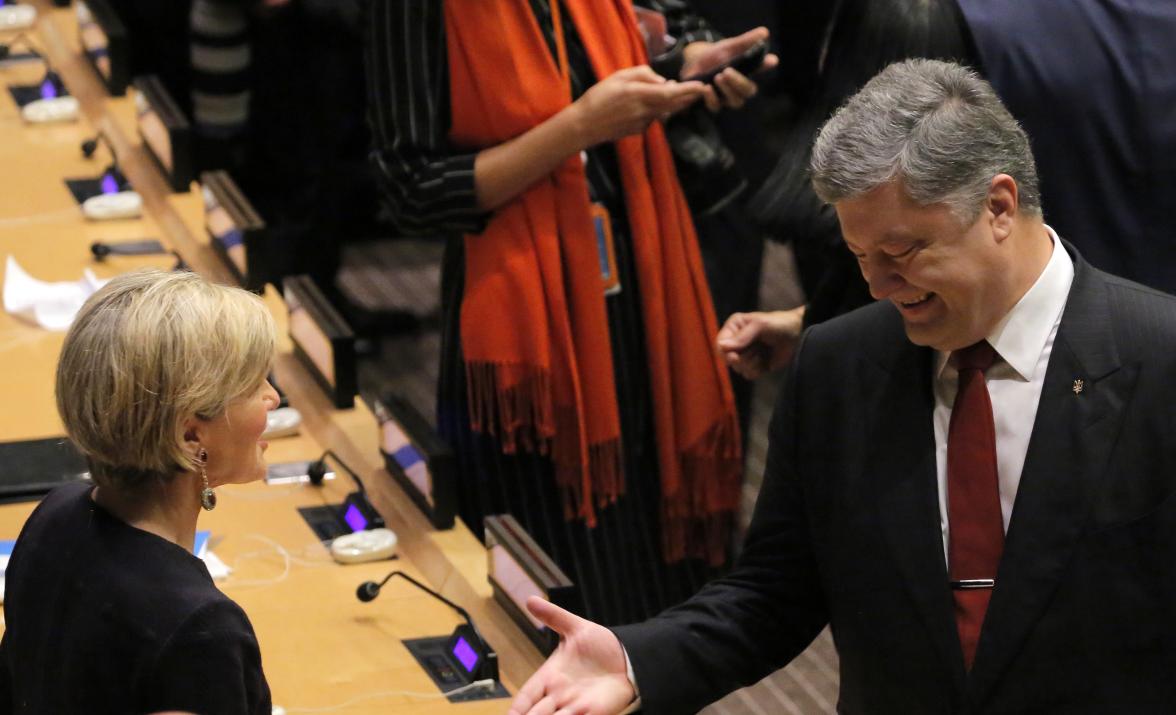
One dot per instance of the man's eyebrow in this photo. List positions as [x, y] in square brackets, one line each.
[897, 237]
[887, 239]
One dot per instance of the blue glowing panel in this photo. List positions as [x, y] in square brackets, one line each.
[109, 184]
[355, 519]
[465, 654]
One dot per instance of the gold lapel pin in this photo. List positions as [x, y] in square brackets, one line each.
[1078, 387]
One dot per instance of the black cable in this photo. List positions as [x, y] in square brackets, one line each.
[22, 38]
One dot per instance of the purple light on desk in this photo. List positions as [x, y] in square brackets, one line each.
[466, 654]
[48, 90]
[354, 518]
[109, 184]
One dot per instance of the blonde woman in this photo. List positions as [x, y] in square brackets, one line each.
[162, 384]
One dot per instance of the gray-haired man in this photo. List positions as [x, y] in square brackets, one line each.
[970, 481]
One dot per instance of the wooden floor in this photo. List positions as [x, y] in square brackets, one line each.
[405, 274]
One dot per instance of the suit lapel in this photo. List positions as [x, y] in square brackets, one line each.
[902, 450]
[1073, 434]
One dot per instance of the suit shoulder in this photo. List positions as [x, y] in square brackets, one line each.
[1143, 310]
[863, 331]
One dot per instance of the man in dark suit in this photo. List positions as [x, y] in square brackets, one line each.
[970, 480]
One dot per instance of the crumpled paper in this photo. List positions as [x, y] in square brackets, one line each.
[49, 305]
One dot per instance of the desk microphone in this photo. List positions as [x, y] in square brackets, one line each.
[112, 180]
[357, 510]
[317, 471]
[466, 643]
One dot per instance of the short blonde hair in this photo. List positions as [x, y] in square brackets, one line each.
[147, 352]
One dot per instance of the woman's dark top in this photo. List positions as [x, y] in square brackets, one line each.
[105, 618]
[429, 190]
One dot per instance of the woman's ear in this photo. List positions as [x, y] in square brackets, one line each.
[192, 435]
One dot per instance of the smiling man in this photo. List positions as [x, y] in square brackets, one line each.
[971, 480]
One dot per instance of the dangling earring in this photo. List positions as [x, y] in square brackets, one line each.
[207, 496]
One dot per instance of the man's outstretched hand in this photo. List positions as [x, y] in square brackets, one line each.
[586, 674]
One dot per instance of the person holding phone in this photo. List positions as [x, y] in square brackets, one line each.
[577, 383]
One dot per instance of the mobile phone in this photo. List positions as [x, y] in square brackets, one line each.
[745, 63]
[135, 247]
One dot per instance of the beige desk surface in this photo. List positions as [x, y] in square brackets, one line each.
[320, 645]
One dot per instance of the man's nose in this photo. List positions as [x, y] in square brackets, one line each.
[882, 278]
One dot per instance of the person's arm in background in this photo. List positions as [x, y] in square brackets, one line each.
[757, 343]
[428, 188]
[433, 189]
[623, 103]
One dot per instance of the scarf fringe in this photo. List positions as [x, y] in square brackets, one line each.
[512, 403]
[520, 416]
[586, 491]
[698, 518]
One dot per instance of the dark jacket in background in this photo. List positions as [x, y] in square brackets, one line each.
[1094, 84]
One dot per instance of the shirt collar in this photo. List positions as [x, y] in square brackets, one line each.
[1022, 334]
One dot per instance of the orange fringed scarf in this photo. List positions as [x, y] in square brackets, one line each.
[534, 327]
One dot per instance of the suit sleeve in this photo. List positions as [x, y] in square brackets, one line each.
[755, 620]
[211, 665]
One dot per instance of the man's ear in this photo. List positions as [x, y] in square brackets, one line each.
[1003, 204]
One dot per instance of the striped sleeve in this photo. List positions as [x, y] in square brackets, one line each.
[427, 186]
[220, 57]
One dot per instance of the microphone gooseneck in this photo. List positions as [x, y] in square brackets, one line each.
[368, 590]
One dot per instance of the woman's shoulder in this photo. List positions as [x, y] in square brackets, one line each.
[64, 500]
[62, 511]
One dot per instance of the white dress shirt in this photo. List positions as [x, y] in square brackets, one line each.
[1023, 341]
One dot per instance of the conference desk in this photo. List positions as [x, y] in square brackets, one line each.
[321, 647]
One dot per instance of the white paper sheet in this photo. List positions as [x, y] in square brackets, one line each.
[50, 305]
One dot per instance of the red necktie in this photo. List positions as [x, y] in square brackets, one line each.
[976, 531]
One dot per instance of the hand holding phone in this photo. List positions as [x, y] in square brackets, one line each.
[707, 63]
[744, 63]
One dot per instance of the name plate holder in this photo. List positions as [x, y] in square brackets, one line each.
[518, 569]
[236, 231]
[105, 43]
[165, 131]
[418, 459]
[322, 339]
